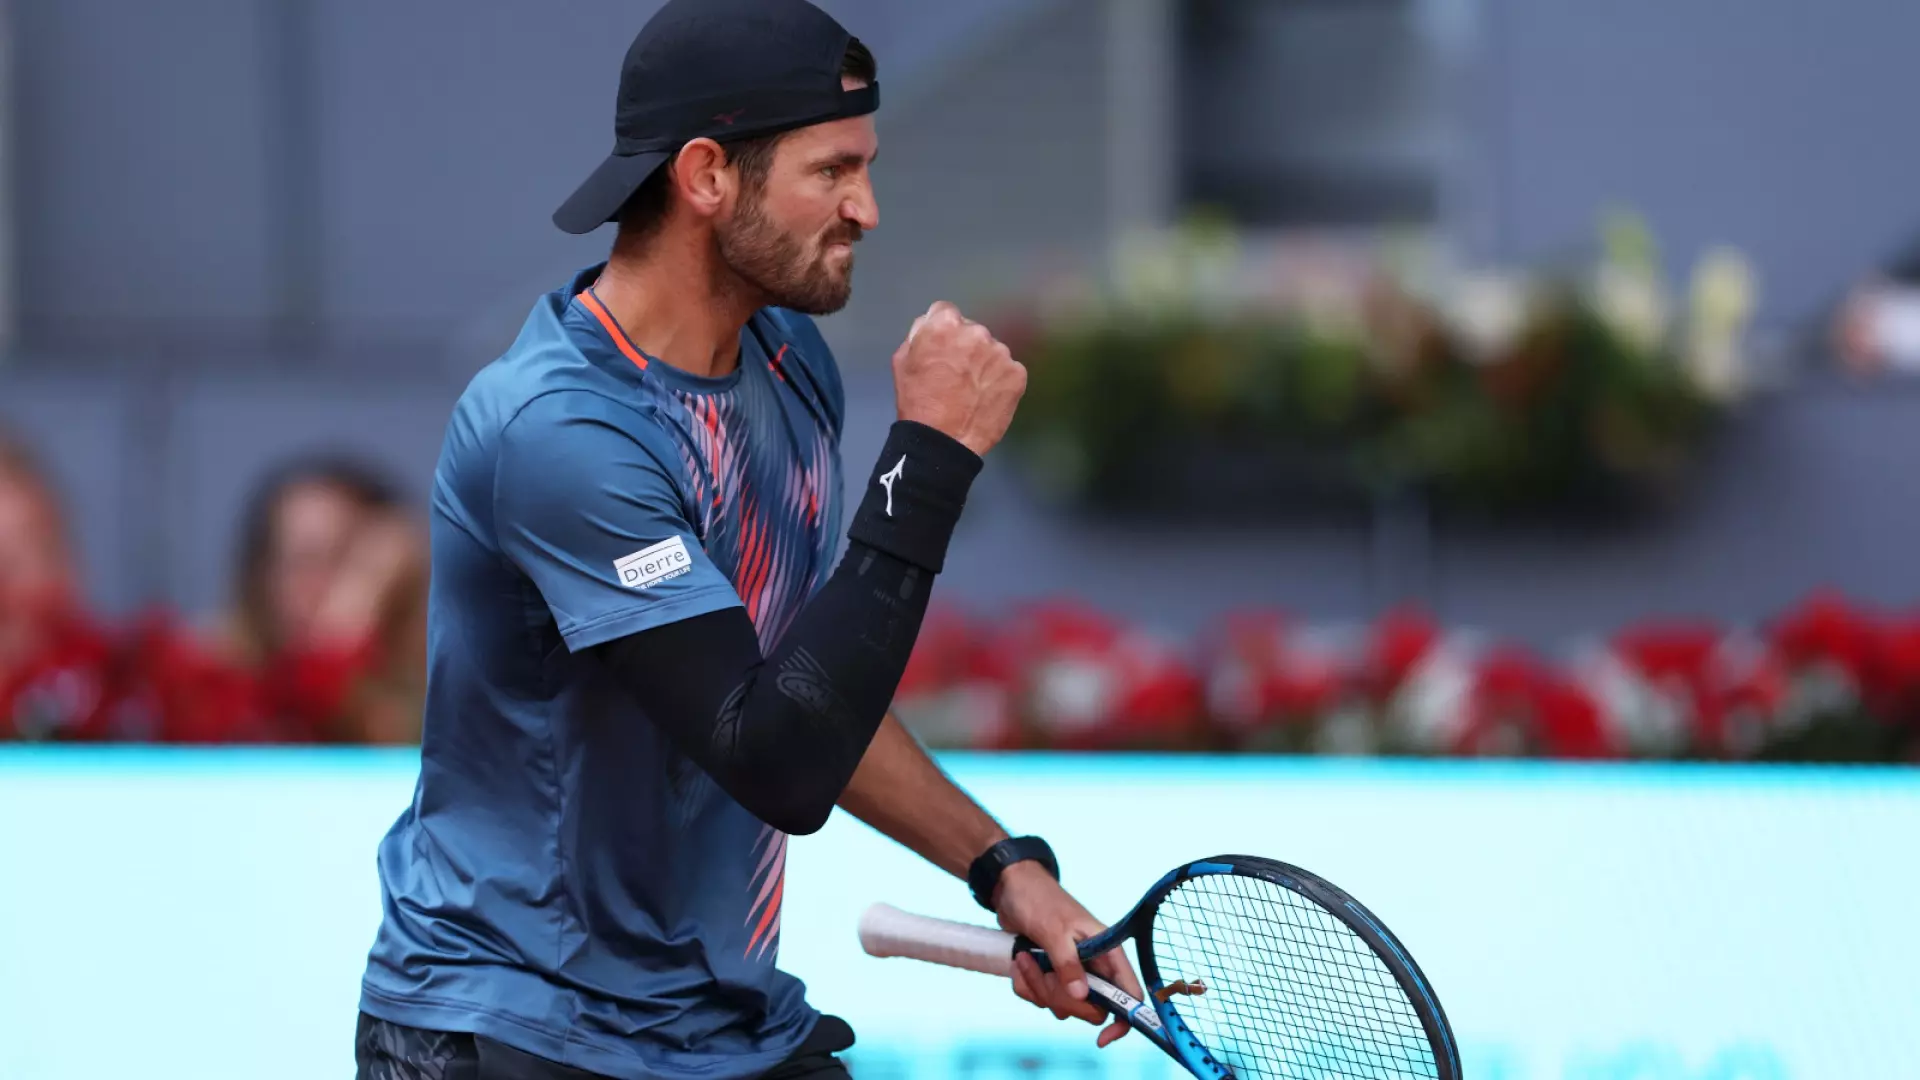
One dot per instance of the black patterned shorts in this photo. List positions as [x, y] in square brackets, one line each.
[383, 1050]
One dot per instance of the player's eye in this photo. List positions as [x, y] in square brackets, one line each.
[831, 172]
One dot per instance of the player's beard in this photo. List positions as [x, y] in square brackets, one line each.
[785, 269]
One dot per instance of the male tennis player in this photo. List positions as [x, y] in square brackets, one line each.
[646, 670]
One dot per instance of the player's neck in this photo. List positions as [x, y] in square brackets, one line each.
[667, 300]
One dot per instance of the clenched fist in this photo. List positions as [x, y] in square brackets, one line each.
[953, 376]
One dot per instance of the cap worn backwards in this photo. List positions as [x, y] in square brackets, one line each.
[717, 69]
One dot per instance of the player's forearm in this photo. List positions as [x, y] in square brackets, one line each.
[899, 790]
[784, 734]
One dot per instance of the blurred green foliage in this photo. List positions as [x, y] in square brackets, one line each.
[1494, 393]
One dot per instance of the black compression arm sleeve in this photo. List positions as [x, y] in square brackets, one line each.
[783, 733]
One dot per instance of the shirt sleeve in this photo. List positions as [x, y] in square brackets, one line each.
[593, 517]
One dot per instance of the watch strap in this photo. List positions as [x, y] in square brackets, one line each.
[983, 876]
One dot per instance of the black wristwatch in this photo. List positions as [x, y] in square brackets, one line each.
[984, 875]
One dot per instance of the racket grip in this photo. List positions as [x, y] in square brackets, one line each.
[885, 930]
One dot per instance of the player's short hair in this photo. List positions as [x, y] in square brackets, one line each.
[646, 209]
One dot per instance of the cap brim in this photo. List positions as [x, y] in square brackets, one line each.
[599, 199]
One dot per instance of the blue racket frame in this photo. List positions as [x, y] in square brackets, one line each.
[1160, 1020]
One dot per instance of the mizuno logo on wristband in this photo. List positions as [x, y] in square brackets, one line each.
[887, 479]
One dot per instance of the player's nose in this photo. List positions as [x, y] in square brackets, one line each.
[862, 207]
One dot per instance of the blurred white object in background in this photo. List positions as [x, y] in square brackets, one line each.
[1878, 328]
[1433, 710]
[1489, 311]
[1893, 326]
[1631, 303]
[1643, 718]
[1721, 306]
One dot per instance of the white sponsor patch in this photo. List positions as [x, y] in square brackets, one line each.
[664, 561]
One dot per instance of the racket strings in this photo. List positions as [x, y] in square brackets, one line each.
[1290, 991]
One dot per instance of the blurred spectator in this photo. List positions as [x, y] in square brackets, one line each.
[329, 607]
[55, 663]
[1878, 327]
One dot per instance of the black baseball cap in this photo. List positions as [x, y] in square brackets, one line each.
[718, 69]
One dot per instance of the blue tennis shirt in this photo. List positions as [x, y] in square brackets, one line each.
[564, 881]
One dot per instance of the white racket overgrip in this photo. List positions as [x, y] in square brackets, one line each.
[885, 930]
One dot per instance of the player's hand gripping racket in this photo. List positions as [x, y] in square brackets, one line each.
[1253, 969]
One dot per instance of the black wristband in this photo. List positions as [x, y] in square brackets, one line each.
[983, 876]
[915, 495]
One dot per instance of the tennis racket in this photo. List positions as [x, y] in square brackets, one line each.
[1254, 969]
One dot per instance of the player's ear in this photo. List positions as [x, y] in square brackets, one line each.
[702, 176]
